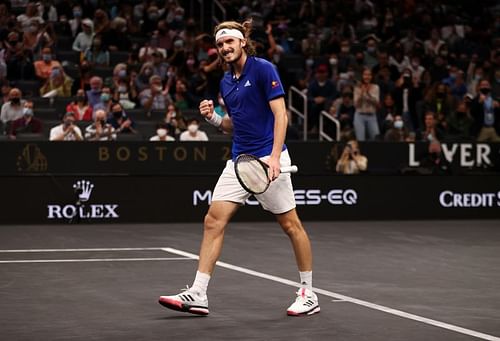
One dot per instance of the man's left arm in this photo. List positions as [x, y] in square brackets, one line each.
[280, 125]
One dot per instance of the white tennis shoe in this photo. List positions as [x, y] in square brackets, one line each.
[187, 301]
[306, 303]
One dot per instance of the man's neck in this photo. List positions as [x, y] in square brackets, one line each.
[239, 65]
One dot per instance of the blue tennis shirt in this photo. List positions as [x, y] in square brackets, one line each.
[247, 101]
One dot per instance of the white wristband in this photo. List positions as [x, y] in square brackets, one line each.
[215, 120]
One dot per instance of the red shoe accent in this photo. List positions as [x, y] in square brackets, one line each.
[170, 303]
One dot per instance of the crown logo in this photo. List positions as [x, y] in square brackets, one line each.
[31, 159]
[84, 189]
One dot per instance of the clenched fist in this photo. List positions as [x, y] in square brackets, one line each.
[207, 108]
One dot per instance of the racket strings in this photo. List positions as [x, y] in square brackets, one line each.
[253, 175]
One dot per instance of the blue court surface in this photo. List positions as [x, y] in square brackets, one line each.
[418, 280]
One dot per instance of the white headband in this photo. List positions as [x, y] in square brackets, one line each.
[228, 32]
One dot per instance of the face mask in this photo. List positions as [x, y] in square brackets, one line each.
[46, 57]
[15, 100]
[477, 77]
[178, 17]
[310, 62]
[95, 90]
[122, 89]
[333, 61]
[117, 114]
[161, 132]
[31, 29]
[460, 113]
[77, 14]
[122, 73]
[105, 97]
[153, 16]
[148, 72]
[398, 124]
[55, 73]
[193, 128]
[80, 98]
[440, 95]
[371, 49]
[485, 91]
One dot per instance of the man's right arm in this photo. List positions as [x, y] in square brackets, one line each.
[207, 110]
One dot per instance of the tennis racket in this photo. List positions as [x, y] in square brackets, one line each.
[252, 173]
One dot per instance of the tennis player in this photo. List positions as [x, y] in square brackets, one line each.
[254, 96]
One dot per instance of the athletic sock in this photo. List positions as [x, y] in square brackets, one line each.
[200, 283]
[306, 278]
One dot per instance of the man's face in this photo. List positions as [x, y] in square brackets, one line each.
[14, 94]
[230, 49]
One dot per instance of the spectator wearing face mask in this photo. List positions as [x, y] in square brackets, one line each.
[397, 132]
[351, 161]
[120, 121]
[100, 130]
[160, 67]
[58, 81]
[162, 133]
[67, 130]
[193, 133]
[26, 124]
[106, 100]
[94, 94]
[12, 109]
[125, 93]
[43, 67]
[486, 113]
[80, 106]
[75, 24]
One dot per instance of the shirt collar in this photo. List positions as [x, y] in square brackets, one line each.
[246, 67]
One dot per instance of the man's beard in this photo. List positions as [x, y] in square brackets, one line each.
[236, 56]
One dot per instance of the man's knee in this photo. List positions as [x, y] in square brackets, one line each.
[291, 226]
[213, 224]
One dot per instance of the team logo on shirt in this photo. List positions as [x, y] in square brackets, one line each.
[248, 83]
[275, 84]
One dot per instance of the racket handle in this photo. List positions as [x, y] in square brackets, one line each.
[289, 169]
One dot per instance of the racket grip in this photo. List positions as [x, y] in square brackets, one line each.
[289, 169]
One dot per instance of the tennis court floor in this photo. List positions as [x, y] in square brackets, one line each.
[420, 280]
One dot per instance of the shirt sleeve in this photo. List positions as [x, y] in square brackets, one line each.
[271, 82]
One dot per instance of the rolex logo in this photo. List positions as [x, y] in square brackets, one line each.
[31, 159]
[84, 189]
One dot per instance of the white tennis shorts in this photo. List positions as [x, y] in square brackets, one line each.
[278, 198]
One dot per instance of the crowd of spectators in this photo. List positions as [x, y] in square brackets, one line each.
[387, 70]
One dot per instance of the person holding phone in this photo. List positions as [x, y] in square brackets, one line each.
[351, 161]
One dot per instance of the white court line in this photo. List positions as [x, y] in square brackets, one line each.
[370, 305]
[91, 260]
[85, 250]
